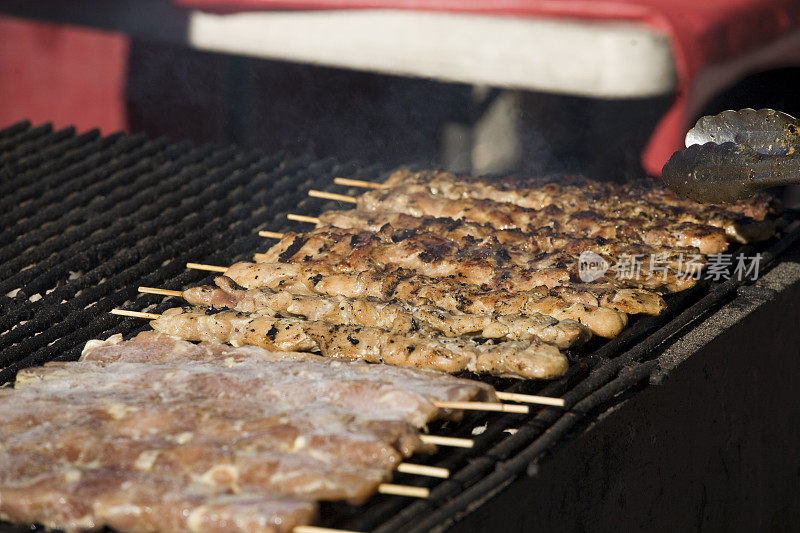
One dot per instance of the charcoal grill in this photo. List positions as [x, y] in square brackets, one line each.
[684, 420]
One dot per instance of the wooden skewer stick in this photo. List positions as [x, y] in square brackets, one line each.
[360, 183]
[134, 314]
[270, 234]
[316, 529]
[210, 268]
[332, 196]
[423, 470]
[530, 398]
[403, 490]
[302, 218]
[162, 292]
[449, 442]
[484, 406]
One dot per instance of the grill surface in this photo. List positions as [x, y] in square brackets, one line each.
[87, 219]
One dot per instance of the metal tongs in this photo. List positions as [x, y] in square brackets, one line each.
[735, 154]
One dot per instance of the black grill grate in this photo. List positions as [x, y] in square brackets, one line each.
[86, 219]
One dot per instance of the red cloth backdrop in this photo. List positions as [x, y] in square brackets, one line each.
[702, 32]
[62, 74]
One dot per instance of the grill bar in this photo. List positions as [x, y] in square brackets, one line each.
[14, 129]
[43, 178]
[30, 142]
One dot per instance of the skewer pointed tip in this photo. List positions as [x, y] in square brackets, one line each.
[332, 196]
[484, 406]
[404, 490]
[530, 398]
[302, 218]
[134, 314]
[270, 234]
[453, 442]
[423, 470]
[359, 183]
[210, 268]
[317, 529]
[162, 292]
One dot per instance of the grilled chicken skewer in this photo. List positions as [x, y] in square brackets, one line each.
[598, 313]
[754, 211]
[487, 263]
[574, 194]
[709, 239]
[541, 240]
[719, 129]
[395, 316]
[531, 359]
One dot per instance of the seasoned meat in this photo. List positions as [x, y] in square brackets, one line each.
[490, 263]
[757, 207]
[530, 359]
[157, 348]
[588, 223]
[245, 464]
[408, 286]
[648, 199]
[77, 499]
[393, 316]
[322, 431]
[295, 381]
[539, 240]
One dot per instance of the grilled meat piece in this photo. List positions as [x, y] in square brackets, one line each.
[299, 379]
[91, 432]
[596, 310]
[633, 200]
[327, 429]
[758, 207]
[394, 316]
[540, 240]
[743, 221]
[455, 230]
[249, 464]
[489, 263]
[76, 499]
[532, 359]
[157, 348]
[322, 431]
[586, 224]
